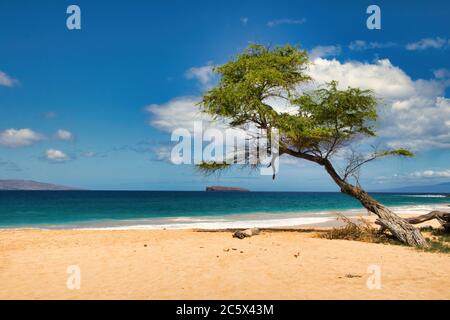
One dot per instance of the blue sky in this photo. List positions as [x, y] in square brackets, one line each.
[73, 103]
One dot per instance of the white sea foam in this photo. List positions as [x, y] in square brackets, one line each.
[425, 196]
[257, 219]
[224, 224]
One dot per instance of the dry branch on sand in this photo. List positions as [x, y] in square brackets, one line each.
[442, 217]
[357, 230]
[438, 240]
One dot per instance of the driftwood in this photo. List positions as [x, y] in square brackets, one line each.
[241, 234]
[442, 217]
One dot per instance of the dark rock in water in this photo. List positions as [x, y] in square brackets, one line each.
[225, 189]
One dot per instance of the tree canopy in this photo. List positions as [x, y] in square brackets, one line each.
[324, 119]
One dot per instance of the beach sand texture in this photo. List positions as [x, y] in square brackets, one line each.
[185, 264]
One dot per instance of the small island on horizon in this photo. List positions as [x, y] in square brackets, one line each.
[225, 189]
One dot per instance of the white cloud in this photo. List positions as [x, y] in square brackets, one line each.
[180, 112]
[205, 75]
[19, 137]
[382, 76]
[414, 113]
[324, 51]
[56, 155]
[6, 80]
[432, 174]
[435, 43]
[244, 20]
[183, 113]
[65, 135]
[274, 23]
[359, 45]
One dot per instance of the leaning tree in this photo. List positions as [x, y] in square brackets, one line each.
[325, 122]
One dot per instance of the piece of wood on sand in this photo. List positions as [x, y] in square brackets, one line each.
[241, 234]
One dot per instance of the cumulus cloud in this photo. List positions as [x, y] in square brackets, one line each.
[15, 138]
[414, 113]
[426, 43]
[274, 23]
[432, 174]
[180, 112]
[65, 135]
[324, 51]
[359, 45]
[56, 156]
[184, 113]
[205, 75]
[6, 80]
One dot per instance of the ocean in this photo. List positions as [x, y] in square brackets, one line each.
[155, 209]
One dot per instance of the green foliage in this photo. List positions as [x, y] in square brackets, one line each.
[439, 240]
[438, 246]
[337, 115]
[325, 119]
[254, 76]
[397, 152]
[211, 167]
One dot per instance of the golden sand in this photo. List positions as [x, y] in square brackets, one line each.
[185, 264]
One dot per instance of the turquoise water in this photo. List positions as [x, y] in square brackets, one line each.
[41, 208]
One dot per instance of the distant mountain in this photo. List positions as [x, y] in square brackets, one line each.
[435, 188]
[30, 185]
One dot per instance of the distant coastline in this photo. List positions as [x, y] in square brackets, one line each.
[30, 185]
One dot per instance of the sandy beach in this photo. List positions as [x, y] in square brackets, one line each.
[189, 264]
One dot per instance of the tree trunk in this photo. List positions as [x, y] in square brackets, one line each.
[400, 228]
[442, 217]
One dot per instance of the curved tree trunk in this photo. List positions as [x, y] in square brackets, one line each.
[400, 228]
[442, 217]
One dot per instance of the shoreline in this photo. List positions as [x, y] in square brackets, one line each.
[306, 219]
